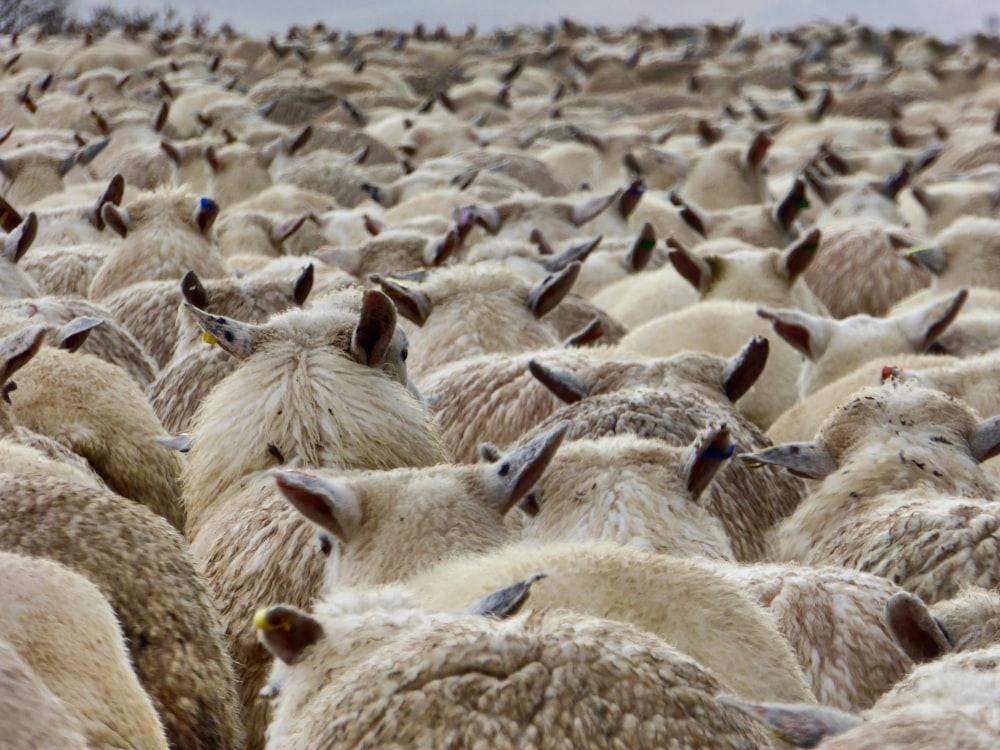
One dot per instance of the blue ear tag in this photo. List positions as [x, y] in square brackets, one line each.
[207, 203]
[717, 455]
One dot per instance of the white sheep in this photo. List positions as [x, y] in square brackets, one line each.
[16, 282]
[424, 683]
[902, 492]
[727, 175]
[66, 632]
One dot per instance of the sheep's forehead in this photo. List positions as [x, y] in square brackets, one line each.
[615, 452]
[905, 407]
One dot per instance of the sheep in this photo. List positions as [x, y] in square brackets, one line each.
[636, 690]
[34, 172]
[860, 269]
[461, 311]
[833, 348]
[163, 238]
[109, 340]
[962, 255]
[667, 596]
[450, 508]
[256, 232]
[141, 564]
[64, 270]
[67, 634]
[833, 618]
[747, 505]
[898, 463]
[392, 252]
[496, 398]
[352, 410]
[967, 622]
[943, 203]
[726, 176]
[31, 714]
[632, 491]
[17, 284]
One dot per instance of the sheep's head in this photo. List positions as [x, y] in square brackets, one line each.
[430, 513]
[158, 210]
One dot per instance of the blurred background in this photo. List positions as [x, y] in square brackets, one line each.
[947, 19]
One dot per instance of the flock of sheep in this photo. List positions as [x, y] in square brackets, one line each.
[555, 387]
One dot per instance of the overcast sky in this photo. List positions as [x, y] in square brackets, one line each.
[947, 18]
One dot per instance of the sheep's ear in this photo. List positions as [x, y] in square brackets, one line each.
[376, 326]
[891, 185]
[593, 331]
[695, 218]
[985, 439]
[709, 452]
[694, 268]
[437, 251]
[517, 472]
[205, 214]
[116, 218]
[639, 255]
[332, 506]
[788, 210]
[923, 326]
[551, 290]
[930, 257]
[579, 253]
[742, 371]
[182, 442]
[565, 385]
[284, 230]
[808, 460]
[489, 453]
[799, 725]
[239, 339]
[796, 258]
[17, 349]
[928, 202]
[757, 150]
[9, 216]
[506, 602]
[286, 632]
[299, 140]
[809, 334]
[193, 290]
[161, 116]
[113, 193]
[412, 304]
[303, 285]
[630, 198]
[914, 628]
[16, 243]
[84, 156]
[73, 335]
[173, 153]
[587, 210]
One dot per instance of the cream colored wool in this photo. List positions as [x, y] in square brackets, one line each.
[66, 632]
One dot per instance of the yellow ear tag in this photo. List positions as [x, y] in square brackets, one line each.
[209, 339]
[260, 620]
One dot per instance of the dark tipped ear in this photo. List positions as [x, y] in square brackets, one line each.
[16, 243]
[438, 251]
[115, 218]
[757, 150]
[376, 327]
[630, 199]
[693, 218]
[796, 258]
[589, 334]
[799, 725]
[239, 339]
[984, 443]
[287, 632]
[510, 478]
[743, 370]
[172, 152]
[575, 252]
[923, 326]
[113, 193]
[506, 602]
[914, 629]
[564, 384]
[73, 335]
[412, 304]
[809, 334]
[538, 240]
[895, 182]
[193, 290]
[182, 442]
[286, 229]
[809, 460]
[17, 349]
[205, 214]
[331, 505]
[641, 252]
[694, 268]
[489, 453]
[299, 140]
[708, 453]
[786, 212]
[303, 285]
[160, 118]
[928, 202]
[552, 290]
[9, 217]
